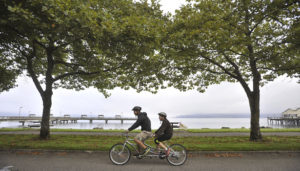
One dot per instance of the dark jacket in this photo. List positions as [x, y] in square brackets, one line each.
[165, 128]
[142, 121]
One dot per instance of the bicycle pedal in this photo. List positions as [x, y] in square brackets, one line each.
[139, 157]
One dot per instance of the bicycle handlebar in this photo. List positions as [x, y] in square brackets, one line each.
[125, 134]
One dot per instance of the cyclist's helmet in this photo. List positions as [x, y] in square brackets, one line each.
[162, 114]
[136, 108]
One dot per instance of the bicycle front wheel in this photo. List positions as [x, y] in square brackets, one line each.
[119, 154]
[178, 155]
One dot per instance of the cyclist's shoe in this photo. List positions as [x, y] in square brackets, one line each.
[162, 155]
[146, 151]
[136, 154]
[168, 152]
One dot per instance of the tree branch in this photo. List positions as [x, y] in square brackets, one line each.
[84, 73]
[280, 69]
[238, 73]
[39, 43]
[220, 66]
[31, 71]
[66, 63]
[237, 53]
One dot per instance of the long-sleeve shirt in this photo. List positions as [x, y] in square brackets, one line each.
[142, 121]
[165, 128]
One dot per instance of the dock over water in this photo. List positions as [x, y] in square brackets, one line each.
[63, 119]
[284, 121]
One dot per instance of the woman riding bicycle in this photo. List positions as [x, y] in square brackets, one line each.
[164, 132]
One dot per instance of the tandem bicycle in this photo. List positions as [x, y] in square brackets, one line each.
[120, 153]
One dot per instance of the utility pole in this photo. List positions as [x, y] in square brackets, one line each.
[20, 108]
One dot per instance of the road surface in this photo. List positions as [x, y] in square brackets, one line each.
[28, 160]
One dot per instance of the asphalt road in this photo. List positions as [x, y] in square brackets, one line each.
[67, 160]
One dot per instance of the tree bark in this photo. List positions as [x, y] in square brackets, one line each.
[47, 103]
[254, 103]
[254, 99]
[47, 95]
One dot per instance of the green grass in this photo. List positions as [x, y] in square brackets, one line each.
[103, 143]
[188, 130]
[244, 130]
[15, 129]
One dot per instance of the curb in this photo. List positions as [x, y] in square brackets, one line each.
[189, 152]
[52, 151]
[244, 152]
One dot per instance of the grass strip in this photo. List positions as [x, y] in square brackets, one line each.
[204, 130]
[104, 143]
[243, 130]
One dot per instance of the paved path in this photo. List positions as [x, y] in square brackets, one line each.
[182, 134]
[86, 161]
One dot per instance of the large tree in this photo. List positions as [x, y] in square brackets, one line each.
[76, 44]
[247, 41]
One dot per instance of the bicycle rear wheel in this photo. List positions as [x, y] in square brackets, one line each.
[178, 155]
[119, 154]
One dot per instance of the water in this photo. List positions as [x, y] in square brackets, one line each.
[191, 123]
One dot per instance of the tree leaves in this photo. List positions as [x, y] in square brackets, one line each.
[91, 43]
[214, 41]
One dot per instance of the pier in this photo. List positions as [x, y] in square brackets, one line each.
[64, 119]
[284, 121]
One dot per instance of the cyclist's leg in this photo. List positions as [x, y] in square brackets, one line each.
[157, 142]
[145, 136]
[138, 139]
[161, 139]
[162, 145]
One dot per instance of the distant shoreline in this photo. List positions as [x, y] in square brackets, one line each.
[224, 116]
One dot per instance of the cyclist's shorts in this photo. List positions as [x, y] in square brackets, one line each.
[143, 136]
[162, 138]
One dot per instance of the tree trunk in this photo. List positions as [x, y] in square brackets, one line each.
[47, 95]
[254, 100]
[45, 126]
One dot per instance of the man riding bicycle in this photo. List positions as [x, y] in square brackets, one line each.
[145, 124]
[165, 132]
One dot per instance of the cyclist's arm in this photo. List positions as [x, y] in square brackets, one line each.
[161, 129]
[136, 124]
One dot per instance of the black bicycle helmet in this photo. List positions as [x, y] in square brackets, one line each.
[136, 108]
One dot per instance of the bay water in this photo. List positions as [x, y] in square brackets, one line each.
[190, 123]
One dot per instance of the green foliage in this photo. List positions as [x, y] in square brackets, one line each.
[103, 44]
[75, 44]
[213, 41]
[7, 76]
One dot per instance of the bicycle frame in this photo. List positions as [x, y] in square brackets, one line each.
[176, 157]
[151, 153]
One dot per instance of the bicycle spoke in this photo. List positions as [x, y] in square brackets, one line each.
[177, 155]
[119, 154]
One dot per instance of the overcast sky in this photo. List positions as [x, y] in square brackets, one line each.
[276, 97]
